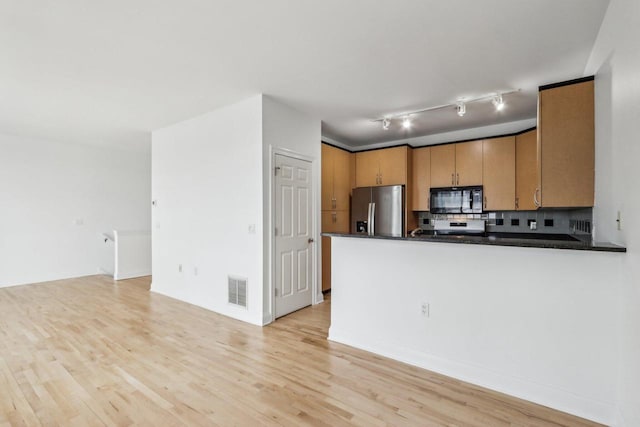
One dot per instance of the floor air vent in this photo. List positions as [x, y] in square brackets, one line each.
[238, 291]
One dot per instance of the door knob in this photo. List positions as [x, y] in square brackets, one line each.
[310, 240]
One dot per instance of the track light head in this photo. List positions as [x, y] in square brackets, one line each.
[461, 108]
[386, 123]
[406, 123]
[498, 102]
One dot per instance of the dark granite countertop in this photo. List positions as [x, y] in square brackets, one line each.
[503, 239]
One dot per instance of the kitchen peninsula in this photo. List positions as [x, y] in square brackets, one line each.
[520, 320]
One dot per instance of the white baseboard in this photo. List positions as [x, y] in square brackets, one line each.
[543, 394]
[266, 319]
[181, 298]
[132, 274]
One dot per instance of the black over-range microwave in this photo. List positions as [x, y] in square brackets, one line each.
[456, 200]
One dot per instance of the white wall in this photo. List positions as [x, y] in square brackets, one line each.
[533, 323]
[45, 186]
[616, 60]
[207, 183]
[212, 180]
[132, 250]
[286, 130]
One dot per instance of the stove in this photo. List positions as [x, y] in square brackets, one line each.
[459, 226]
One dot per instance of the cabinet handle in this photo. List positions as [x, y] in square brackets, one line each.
[453, 182]
[333, 202]
[380, 177]
[535, 198]
[517, 203]
[485, 202]
[457, 179]
[334, 217]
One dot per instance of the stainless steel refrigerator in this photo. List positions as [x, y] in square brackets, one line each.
[378, 211]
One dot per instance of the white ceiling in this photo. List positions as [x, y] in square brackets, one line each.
[109, 72]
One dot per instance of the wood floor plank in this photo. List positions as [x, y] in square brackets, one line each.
[93, 352]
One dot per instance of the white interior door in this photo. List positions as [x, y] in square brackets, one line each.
[293, 235]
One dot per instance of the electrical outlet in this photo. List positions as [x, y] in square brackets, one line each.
[619, 220]
[252, 229]
[195, 271]
[425, 309]
[179, 268]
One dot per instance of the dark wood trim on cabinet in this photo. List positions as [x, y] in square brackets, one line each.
[435, 145]
[335, 146]
[383, 148]
[566, 83]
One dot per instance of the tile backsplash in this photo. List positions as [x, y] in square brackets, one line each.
[554, 221]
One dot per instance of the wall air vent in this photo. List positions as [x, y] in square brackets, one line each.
[238, 291]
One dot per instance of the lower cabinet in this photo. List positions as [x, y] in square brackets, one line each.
[332, 222]
[326, 263]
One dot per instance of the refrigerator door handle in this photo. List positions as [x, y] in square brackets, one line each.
[372, 220]
[369, 219]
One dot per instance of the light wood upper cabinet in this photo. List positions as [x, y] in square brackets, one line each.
[469, 163]
[421, 179]
[393, 166]
[386, 166]
[336, 178]
[566, 145]
[327, 178]
[526, 170]
[499, 173]
[367, 168]
[443, 165]
[456, 164]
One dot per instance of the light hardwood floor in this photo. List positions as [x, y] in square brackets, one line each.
[90, 352]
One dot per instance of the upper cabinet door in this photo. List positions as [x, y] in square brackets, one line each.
[327, 180]
[336, 178]
[386, 166]
[566, 146]
[499, 173]
[526, 170]
[421, 179]
[469, 163]
[367, 168]
[443, 166]
[341, 179]
[393, 166]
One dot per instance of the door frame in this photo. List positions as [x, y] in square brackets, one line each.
[269, 297]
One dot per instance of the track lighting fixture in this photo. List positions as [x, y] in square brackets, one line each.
[460, 105]
[406, 123]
